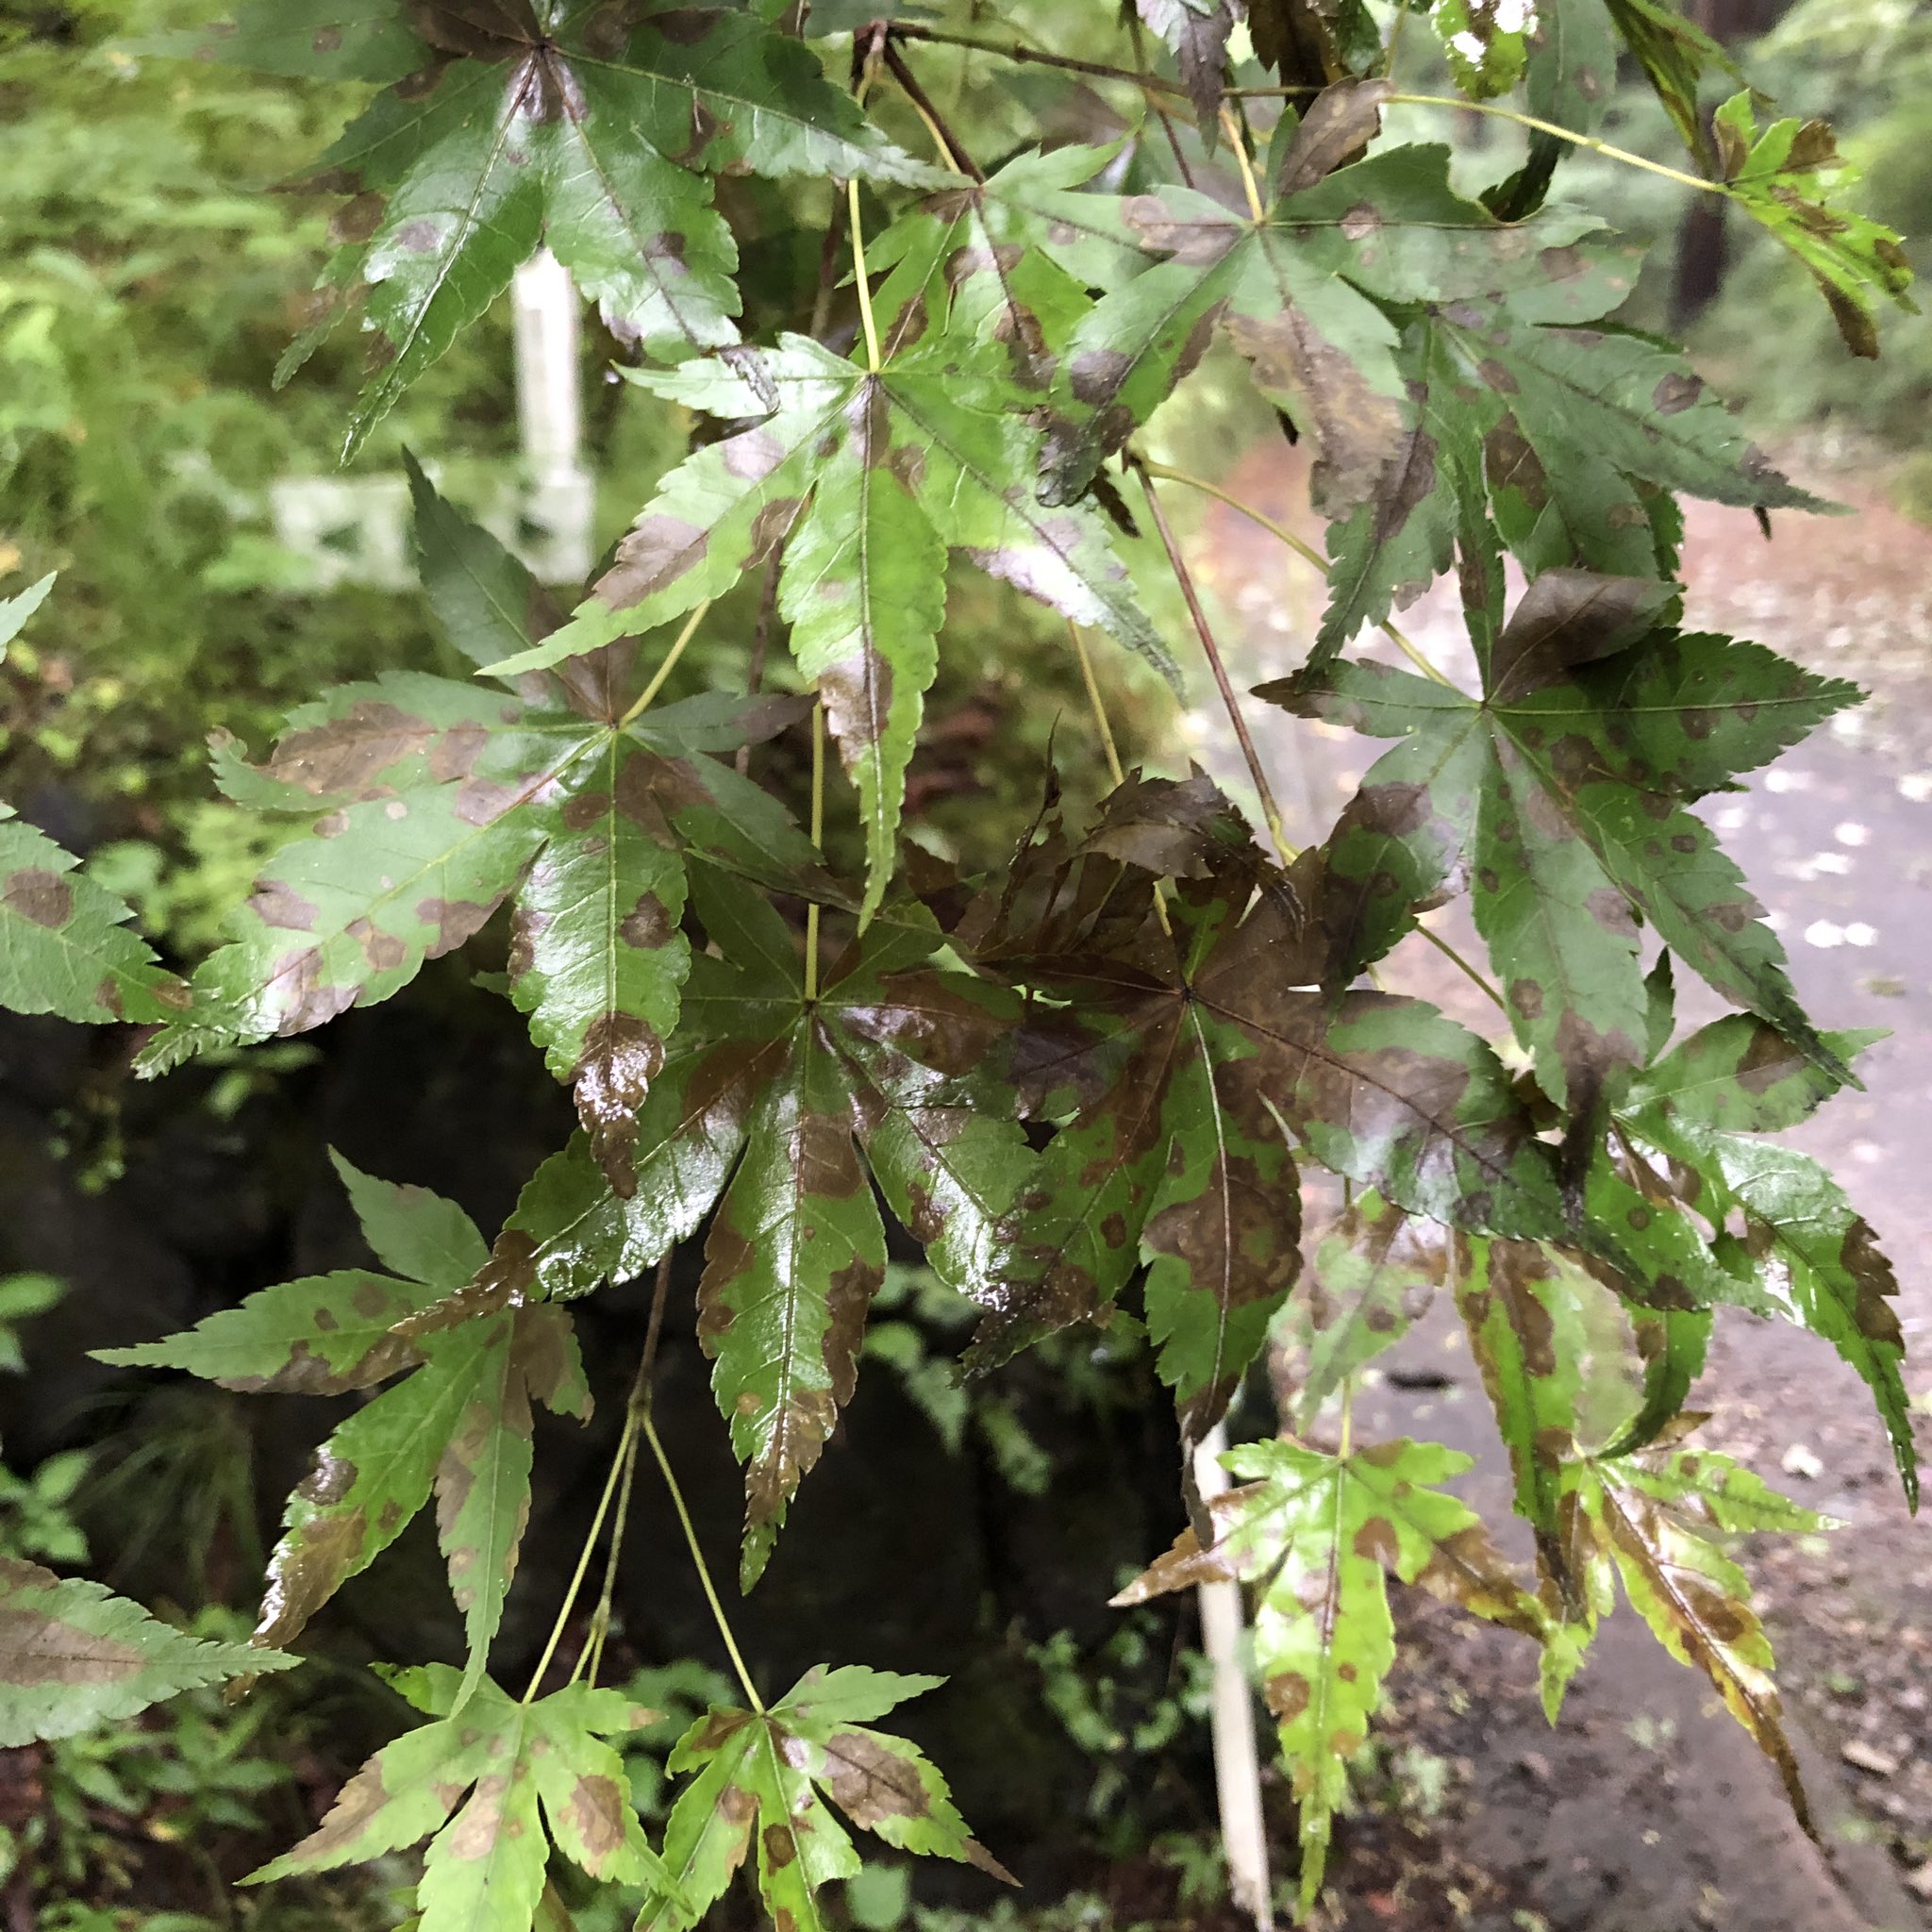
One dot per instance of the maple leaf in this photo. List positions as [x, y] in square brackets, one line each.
[1174, 1062]
[493, 1784]
[1646, 1519]
[1571, 71]
[1197, 33]
[1316, 1533]
[1781, 177]
[457, 1424]
[64, 944]
[1301, 293]
[522, 124]
[1567, 437]
[1810, 1256]
[439, 799]
[764, 1776]
[1558, 795]
[869, 478]
[72, 1657]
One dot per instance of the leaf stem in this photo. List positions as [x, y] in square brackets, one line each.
[648, 694]
[1097, 704]
[1702, 182]
[1264, 790]
[1300, 548]
[632, 1415]
[818, 835]
[1236, 140]
[593, 1654]
[697, 1556]
[864, 288]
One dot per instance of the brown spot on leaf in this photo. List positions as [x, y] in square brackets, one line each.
[38, 896]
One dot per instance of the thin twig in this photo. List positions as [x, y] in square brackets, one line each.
[1264, 790]
[640, 1398]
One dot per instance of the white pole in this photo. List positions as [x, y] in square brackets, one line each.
[1237, 1762]
[550, 417]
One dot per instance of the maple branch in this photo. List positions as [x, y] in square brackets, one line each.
[697, 1556]
[818, 836]
[1702, 182]
[648, 694]
[1015, 51]
[1265, 791]
[1097, 704]
[1300, 548]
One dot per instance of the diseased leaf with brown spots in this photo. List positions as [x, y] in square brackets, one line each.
[443, 798]
[459, 1425]
[72, 1656]
[1300, 294]
[65, 945]
[1805, 1253]
[869, 478]
[593, 135]
[872, 1080]
[1315, 1533]
[765, 1777]
[1559, 797]
[1647, 1519]
[492, 1789]
[1172, 1065]
[1375, 1269]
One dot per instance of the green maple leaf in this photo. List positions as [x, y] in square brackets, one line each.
[72, 1656]
[1570, 72]
[782, 1111]
[66, 947]
[1559, 796]
[458, 1424]
[1782, 176]
[493, 1784]
[1303, 293]
[1806, 1251]
[439, 799]
[532, 123]
[1646, 1520]
[1316, 1533]
[764, 1776]
[1569, 435]
[869, 478]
